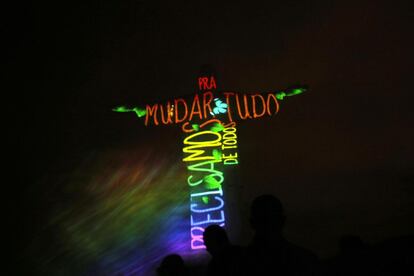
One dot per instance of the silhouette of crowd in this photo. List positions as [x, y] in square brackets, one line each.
[269, 253]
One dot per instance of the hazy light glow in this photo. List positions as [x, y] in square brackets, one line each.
[114, 208]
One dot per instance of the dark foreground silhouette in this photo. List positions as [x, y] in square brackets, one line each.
[172, 265]
[393, 257]
[269, 253]
[226, 258]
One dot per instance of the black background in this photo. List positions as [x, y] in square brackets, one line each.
[340, 157]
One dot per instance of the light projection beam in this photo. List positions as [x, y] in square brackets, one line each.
[119, 213]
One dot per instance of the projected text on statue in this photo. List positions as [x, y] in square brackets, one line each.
[208, 122]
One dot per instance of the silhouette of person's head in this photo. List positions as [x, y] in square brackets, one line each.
[172, 265]
[349, 244]
[215, 239]
[267, 215]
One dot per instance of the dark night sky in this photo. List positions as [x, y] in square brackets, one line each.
[340, 157]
